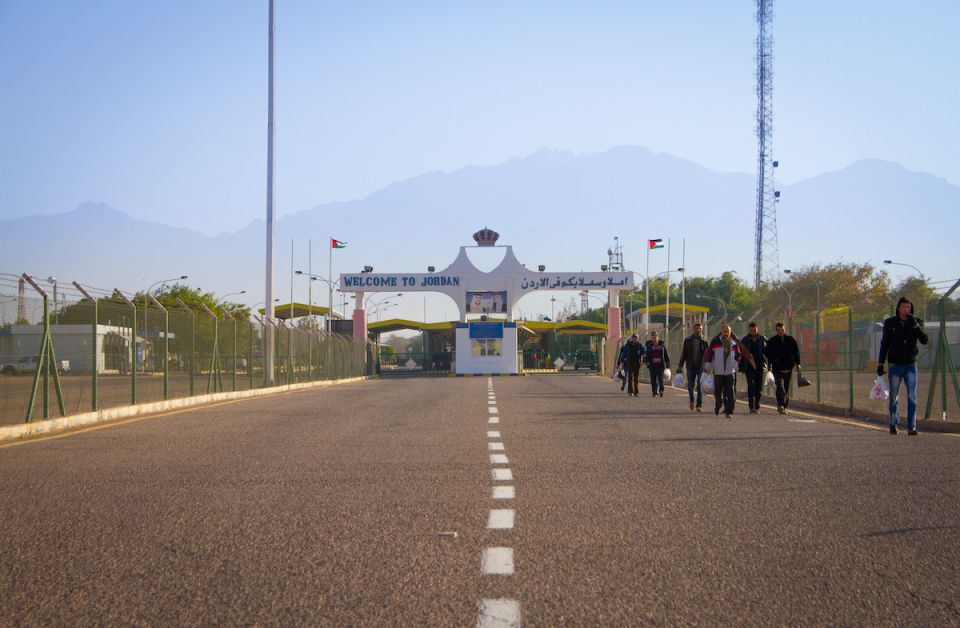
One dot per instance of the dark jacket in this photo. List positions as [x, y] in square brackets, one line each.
[656, 356]
[631, 355]
[782, 353]
[898, 344]
[755, 347]
[687, 354]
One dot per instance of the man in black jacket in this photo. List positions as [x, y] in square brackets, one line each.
[632, 358]
[783, 354]
[694, 346]
[754, 344]
[898, 345]
[657, 359]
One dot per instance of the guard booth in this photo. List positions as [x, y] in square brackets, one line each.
[486, 336]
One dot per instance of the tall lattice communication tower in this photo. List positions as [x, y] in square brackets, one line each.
[766, 257]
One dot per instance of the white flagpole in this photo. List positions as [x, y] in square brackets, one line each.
[330, 289]
[683, 289]
[666, 320]
[646, 285]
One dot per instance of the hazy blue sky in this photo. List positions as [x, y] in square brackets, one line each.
[159, 108]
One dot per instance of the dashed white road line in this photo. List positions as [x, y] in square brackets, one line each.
[500, 519]
[503, 475]
[497, 561]
[500, 613]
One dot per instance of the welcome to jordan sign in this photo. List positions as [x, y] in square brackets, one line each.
[478, 292]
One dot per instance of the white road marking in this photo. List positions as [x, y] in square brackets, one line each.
[493, 419]
[491, 402]
[500, 519]
[503, 475]
[493, 434]
[802, 420]
[499, 459]
[504, 492]
[492, 410]
[497, 561]
[502, 613]
[495, 446]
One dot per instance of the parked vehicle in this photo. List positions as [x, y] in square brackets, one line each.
[29, 364]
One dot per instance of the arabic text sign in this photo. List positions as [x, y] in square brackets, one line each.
[577, 281]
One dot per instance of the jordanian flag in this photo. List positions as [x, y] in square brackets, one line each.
[337, 244]
[655, 244]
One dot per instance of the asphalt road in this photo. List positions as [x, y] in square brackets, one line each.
[372, 504]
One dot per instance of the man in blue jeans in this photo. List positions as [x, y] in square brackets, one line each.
[692, 355]
[898, 345]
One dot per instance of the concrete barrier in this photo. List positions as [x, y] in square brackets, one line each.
[11, 432]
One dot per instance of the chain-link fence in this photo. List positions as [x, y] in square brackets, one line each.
[839, 347]
[88, 349]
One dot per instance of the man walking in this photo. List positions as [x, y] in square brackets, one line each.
[631, 358]
[898, 344]
[657, 360]
[722, 358]
[694, 347]
[754, 344]
[783, 355]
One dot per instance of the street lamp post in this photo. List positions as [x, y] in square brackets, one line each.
[722, 303]
[666, 324]
[816, 322]
[146, 306]
[919, 272]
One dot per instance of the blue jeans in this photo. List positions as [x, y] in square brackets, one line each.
[903, 373]
[693, 379]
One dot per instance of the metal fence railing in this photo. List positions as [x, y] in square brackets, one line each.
[75, 349]
[839, 347]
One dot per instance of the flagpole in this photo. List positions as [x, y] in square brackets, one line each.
[330, 290]
[666, 321]
[683, 290]
[646, 285]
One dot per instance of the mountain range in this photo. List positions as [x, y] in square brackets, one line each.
[556, 208]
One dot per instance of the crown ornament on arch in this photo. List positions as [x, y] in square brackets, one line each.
[486, 237]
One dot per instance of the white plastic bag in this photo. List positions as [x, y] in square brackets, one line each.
[769, 381]
[678, 380]
[667, 374]
[706, 383]
[880, 390]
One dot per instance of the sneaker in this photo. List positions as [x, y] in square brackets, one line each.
[729, 416]
[691, 406]
[780, 410]
[699, 409]
[655, 395]
[661, 393]
[893, 429]
[912, 432]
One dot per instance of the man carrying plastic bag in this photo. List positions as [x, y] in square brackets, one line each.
[898, 344]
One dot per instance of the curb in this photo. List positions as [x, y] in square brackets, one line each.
[47, 426]
[864, 416]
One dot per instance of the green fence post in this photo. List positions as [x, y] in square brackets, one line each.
[193, 339]
[850, 354]
[250, 354]
[816, 323]
[93, 397]
[234, 351]
[166, 342]
[133, 347]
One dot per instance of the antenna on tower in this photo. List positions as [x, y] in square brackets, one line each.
[766, 263]
[615, 256]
